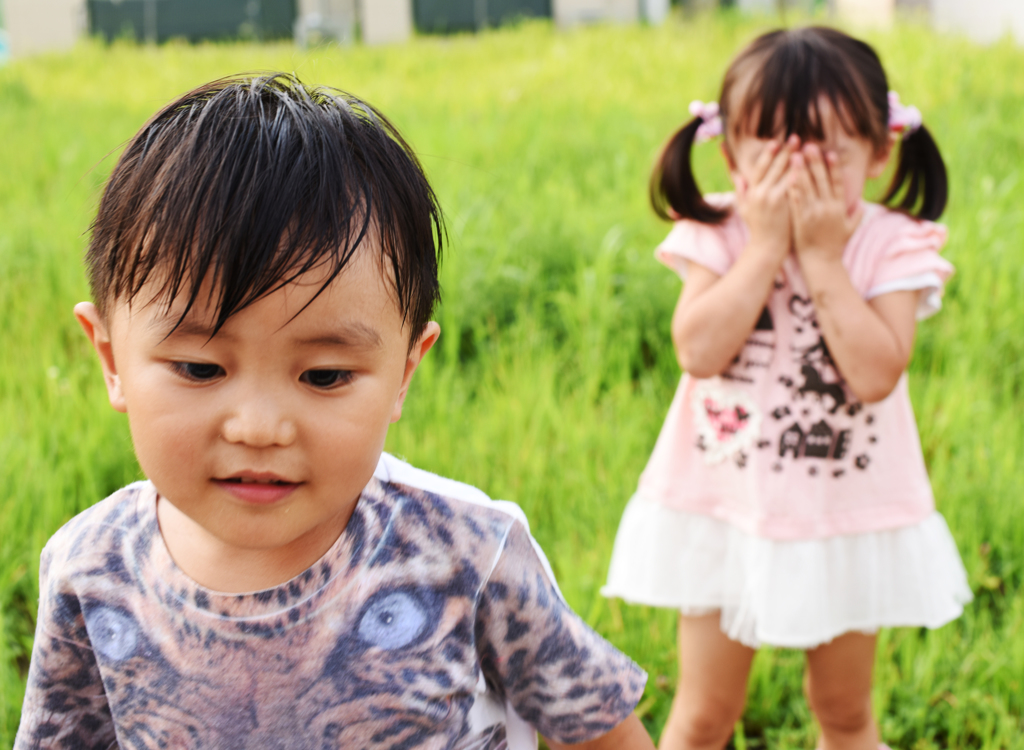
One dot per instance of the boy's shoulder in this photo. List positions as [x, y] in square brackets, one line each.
[451, 504]
[398, 472]
[98, 529]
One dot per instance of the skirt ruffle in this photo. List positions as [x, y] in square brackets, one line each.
[796, 594]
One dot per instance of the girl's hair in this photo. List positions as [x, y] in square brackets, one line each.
[787, 73]
[252, 181]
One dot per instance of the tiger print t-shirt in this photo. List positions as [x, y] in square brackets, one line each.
[432, 622]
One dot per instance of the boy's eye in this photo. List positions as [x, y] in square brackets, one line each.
[326, 378]
[198, 371]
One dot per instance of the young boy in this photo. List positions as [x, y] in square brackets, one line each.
[264, 268]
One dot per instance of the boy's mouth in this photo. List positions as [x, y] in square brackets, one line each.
[257, 487]
[246, 480]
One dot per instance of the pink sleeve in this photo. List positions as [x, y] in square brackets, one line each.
[911, 261]
[714, 246]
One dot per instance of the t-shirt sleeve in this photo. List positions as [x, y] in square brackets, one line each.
[911, 262]
[65, 703]
[708, 245]
[559, 675]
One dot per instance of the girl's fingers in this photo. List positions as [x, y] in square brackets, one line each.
[765, 159]
[794, 186]
[818, 170]
[795, 198]
[802, 181]
[835, 174]
[741, 185]
[780, 163]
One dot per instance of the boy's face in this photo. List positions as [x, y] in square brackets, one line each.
[262, 437]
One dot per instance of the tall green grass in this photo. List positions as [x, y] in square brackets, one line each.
[555, 368]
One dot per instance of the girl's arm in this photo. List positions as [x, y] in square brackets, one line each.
[715, 315]
[628, 735]
[870, 342]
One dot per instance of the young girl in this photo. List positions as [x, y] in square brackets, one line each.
[786, 501]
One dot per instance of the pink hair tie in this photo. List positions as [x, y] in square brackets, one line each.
[711, 122]
[905, 119]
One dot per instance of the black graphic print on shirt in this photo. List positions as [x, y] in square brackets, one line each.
[757, 353]
[816, 419]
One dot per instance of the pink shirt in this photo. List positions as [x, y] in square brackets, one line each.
[778, 445]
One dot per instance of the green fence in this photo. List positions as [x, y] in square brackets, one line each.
[159, 20]
[467, 15]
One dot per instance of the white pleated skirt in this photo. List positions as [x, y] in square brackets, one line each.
[795, 594]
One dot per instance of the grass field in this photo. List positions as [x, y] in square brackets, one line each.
[555, 368]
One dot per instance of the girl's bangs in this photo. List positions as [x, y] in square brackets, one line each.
[786, 86]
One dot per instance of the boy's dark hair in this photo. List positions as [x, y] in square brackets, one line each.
[251, 181]
[790, 71]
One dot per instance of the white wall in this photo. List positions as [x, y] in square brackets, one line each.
[320, 20]
[385, 21]
[768, 6]
[43, 25]
[981, 20]
[866, 13]
[380, 21]
[572, 12]
[654, 11]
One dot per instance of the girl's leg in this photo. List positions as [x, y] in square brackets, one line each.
[838, 689]
[712, 686]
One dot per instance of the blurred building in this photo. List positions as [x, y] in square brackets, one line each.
[876, 13]
[194, 20]
[377, 21]
[43, 25]
[385, 21]
[982, 20]
[572, 12]
[468, 15]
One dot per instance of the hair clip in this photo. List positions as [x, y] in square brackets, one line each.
[905, 119]
[711, 121]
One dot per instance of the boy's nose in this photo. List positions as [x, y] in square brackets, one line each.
[259, 424]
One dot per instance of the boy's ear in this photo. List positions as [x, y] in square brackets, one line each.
[99, 336]
[416, 353]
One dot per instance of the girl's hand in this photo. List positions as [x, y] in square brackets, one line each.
[762, 201]
[822, 225]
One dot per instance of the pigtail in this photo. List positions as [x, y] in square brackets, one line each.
[673, 188]
[920, 177]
